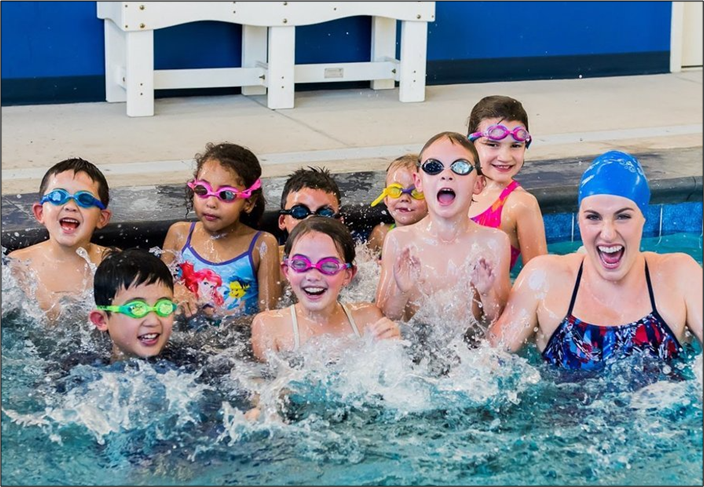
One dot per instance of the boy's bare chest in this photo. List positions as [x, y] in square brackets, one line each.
[69, 279]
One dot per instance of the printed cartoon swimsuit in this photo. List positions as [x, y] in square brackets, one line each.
[294, 324]
[238, 288]
[576, 344]
[491, 217]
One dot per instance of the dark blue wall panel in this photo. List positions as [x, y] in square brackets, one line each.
[60, 44]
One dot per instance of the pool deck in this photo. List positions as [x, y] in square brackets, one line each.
[353, 132]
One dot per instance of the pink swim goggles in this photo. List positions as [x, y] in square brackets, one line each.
[228, 194]
[500, 132]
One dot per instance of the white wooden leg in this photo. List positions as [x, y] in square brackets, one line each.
[383, 48]
[280, 74]
[414, 45]
[253, 50]
[140, 73]
[114, 63]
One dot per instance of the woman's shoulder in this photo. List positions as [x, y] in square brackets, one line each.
[674, 265]
[553, 267]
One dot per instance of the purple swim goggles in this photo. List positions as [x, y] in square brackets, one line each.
[500, 132]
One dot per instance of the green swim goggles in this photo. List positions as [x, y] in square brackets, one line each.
[139, 309]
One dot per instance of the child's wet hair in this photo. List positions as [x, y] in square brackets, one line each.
[313, 178]
[76, 164]
[336, 230]
[123, 269]
[502, 107]
[406, 161]
[244, 164]
[456, 139]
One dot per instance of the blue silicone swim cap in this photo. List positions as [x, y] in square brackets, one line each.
[618, 174]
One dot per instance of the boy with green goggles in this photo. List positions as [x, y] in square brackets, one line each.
[134, 303]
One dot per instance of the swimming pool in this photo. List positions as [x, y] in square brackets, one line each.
[381, 414]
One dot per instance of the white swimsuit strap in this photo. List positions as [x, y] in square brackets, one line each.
[351, 320]
[294, 324]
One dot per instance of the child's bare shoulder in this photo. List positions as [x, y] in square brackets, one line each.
[490, 234]
[29, 253]
[267, 241]
[364, 313]
[521, 201]
[272, 318]
[181, 227]
[177, 234]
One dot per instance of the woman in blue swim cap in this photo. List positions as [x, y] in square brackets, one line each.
[615, 300]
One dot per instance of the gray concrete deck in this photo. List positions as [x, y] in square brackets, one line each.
[355, 133]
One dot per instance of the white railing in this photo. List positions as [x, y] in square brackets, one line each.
[268, 48]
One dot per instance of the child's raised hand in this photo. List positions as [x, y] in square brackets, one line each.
[186, 301]
[482, 275]
[384, 329]
[406, 270]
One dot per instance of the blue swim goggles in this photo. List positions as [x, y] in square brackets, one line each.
[84, 199]
[139, 309]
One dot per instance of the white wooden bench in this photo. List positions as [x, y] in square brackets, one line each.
[268, 49]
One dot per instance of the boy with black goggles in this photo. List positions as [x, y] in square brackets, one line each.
[445, 262]
[300, 212]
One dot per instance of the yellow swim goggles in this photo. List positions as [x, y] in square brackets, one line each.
[396, 190]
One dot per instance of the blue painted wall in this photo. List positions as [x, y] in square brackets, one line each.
[50, 40]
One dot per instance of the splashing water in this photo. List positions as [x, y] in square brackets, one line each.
[427, 409]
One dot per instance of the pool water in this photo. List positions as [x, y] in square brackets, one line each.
[386, 413]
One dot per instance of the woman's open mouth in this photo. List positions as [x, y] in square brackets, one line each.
[610, 256]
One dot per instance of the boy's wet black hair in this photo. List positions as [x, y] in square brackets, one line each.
[313, 178]
[502, 107]
[123, 269]
[242, 162]
[77, 165]
[335, 229]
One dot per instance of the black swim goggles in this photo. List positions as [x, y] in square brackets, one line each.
[301, 212]
[461, 167]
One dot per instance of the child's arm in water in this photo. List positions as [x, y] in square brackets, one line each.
[376, 238]
[492, 282]
[379, 325]
[263, 335]
[530, 229]
[268, 273]
[173, 243]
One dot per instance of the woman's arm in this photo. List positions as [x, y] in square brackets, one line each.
[519, 318]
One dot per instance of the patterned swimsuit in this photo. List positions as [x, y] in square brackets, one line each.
[231, 286]
[576, 344]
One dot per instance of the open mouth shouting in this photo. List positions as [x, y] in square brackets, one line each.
[611, 255]
[446, 196]
[69, 225]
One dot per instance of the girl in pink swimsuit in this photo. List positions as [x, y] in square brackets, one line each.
[498, 126]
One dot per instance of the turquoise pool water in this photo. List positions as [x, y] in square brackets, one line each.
[380, 414]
